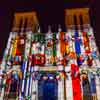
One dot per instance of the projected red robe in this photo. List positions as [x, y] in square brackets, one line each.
[76, 82]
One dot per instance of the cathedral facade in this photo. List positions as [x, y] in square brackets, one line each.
[53, 65]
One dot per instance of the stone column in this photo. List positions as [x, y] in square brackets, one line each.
[81, 85]
[28, 45]
[97, 79]
[16, 23]
[61, 89]
[69, 21]
[2, 92]
[34, 90]
[69, 90]
[85, 19]
[28, 81]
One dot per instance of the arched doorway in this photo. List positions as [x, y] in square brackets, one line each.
[47, 88]
[86, 87]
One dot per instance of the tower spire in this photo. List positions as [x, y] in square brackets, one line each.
[49, 29]
[39, 29]
[59, 28]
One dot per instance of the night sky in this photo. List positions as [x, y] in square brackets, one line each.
[50, 12]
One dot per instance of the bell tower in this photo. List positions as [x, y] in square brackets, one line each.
[78, 16]
[25, 21]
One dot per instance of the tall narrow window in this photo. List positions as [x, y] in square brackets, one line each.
[81, 22]
[20, 24]
[25, 25]
[75, 22]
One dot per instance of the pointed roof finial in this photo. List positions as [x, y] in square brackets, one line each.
[39, 28]
[49, 29]
[59, 28]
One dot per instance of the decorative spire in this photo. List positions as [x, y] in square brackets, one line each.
[39, 29]
[49, 29]
[59, 28]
